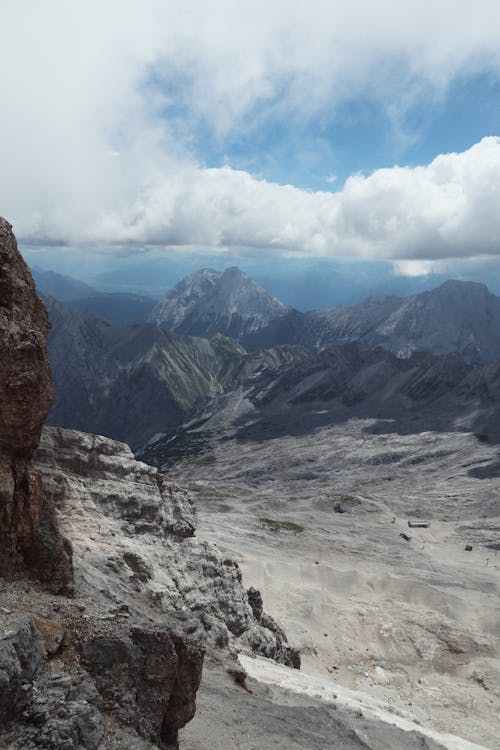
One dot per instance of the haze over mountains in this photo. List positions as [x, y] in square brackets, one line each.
[305, 284]
[456, 317]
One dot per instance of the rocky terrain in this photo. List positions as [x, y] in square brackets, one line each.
[117, 664]
[400, 396]
[131, 382]
[209, 302]
[390, 620]
[310, 475]
[116, 591]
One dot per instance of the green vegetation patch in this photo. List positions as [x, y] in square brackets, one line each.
[271, 525]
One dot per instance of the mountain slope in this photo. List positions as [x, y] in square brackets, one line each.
[62, 287]
[209, 302]
[458, 317]
[130, 382]
[118, 308]
[420, 393]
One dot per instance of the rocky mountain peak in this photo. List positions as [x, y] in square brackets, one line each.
[209, 302]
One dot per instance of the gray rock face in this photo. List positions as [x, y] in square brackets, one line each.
[155, 563]
[147, 679]
[138, 682]
[209, 302]
[21, 654]
[119, 665]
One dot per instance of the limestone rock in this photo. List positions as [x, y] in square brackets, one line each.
[133, 537]
[118, 664]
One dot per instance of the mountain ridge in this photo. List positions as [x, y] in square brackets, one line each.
[208, 302]
[460, 317]
[130, 382]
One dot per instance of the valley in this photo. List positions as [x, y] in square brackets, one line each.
[305, 460]
[250, 375]
[413, 624]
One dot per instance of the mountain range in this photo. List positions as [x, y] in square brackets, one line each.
[460, 317]
[215, 332]
[129, 382]
[309, 465]
[423, 392]
[456, 317]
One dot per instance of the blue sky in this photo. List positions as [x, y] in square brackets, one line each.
[316, 130]
[359, 136]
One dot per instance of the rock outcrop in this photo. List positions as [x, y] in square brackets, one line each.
[134, 544]
[109, 685]
[30, 541]
[116, 665]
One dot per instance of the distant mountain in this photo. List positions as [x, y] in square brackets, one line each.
[459, 317]
[420, 393]
[62, 287]
[324, 284]
[209, 302]
[130, 382]
[118, 308]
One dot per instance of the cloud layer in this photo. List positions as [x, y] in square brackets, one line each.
[101, 102]
[444, 210]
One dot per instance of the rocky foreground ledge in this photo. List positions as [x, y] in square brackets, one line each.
[108, 602]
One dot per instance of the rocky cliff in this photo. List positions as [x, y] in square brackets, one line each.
[117, 664]
[134, 545]
[29, 538]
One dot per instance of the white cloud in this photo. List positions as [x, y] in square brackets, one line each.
[446, 209]
[99, 99]
[415, 268]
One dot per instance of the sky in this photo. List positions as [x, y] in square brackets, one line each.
[326, 129]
